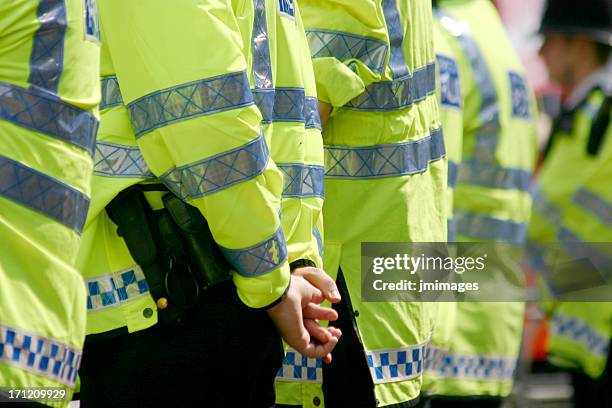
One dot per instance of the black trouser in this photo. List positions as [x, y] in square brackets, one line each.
[347, 381]
[5, 401]
[590, 393]
[464, 402]
[226, 355]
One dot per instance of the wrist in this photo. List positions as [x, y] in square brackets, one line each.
[279, 300]
[301, 263]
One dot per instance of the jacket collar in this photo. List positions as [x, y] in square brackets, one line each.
[601, 78]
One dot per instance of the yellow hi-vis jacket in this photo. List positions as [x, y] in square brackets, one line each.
[573, 207]
[49, 56]
[450, 99]
[385, 174]
[492, 200]
[238, 123]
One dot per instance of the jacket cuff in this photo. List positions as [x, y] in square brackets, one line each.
[261, 292]
[277, 301]
[301, 263]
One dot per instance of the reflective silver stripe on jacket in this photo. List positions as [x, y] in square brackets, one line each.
[389, 160]
[42, 193]
[42, 112]
[115, 160]
[111, 94]
[476, 225]
[594, 204]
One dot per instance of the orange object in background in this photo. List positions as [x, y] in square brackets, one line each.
[540, 342]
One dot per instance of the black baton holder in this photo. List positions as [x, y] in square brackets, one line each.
[138, 225]
[174, 247]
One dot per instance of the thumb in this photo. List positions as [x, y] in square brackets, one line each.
[322, 281]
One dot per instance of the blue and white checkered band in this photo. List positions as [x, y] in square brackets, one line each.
[190, 100]
[92, 21]
[115, 160]
[286, 8]
[42, 193]
[520, 96]
[218, 172]
[40, 355]
[442, 363]
[115, 288]
[476, 225]
[344, 46]
[297, 367]
[450, 88]
[434, 357]
[111, 93]
[582, 333]
[394, 365]
[385, 366]
[260, 258]
[389, 160]
[594, 204]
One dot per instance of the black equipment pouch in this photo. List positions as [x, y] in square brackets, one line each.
[173, 246]
[204, 253]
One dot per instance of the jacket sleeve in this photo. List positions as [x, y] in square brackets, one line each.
[588, 216]
[181, 69]
[348, 44]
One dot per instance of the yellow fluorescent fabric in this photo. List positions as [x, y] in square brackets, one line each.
[450, 98]
[295, 145]
[364, 20]
[451, 116]
[104, 258]
[491, 198]
[572, 204]
[294, 137]
[185, 70]
[390, 46]
[49, 57]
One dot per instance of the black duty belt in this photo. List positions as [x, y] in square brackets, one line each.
[173, 246]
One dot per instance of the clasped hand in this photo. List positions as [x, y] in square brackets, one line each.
[297, 316]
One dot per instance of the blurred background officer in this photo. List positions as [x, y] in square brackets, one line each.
[573, 199]
[385, 182]
[450, 99]
[49, 92]
[491, 200]
[179, 106]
